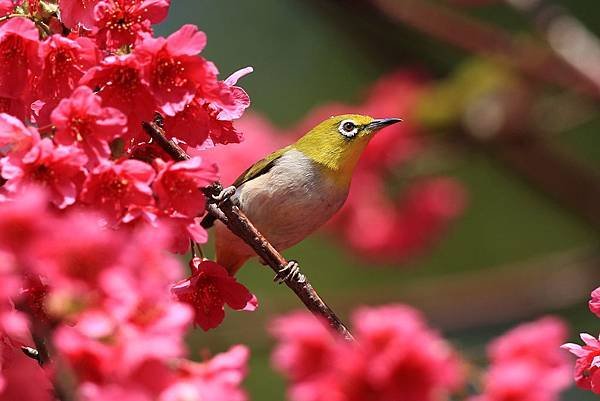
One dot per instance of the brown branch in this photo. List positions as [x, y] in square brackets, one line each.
[240, 225]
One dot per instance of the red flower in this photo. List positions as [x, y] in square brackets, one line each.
[18, 56]
[595, 302]
[122, 22]
[587, 367]
[63, 63]
[121, 190]
[73, 12]
[80, 119]
[59, 168]
[208, 289]
[122, 86]
[178, 184]
[173, 68]
[197, 126]
[207, 119]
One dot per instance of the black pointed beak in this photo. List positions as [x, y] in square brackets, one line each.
[378, 124]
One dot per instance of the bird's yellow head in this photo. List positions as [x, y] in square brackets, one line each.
[337, 143]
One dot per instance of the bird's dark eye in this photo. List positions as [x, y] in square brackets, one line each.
[348, 126]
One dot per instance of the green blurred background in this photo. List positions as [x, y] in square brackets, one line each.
[514, 255]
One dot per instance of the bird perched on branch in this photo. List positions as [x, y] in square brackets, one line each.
[295, 190]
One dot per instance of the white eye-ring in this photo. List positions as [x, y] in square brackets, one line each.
[348, 128]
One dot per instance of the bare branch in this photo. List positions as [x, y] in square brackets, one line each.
[240, 225]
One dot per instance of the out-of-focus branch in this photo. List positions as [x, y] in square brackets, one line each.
[567, 36]
[464, 32]
[240, 225]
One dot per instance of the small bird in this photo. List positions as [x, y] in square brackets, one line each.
[295, 190]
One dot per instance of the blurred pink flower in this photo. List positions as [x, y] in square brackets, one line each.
[208, 289]
[517, 381]
[594, 303]
[305, 347]
[523, 355]
[396, 357]
[217, 379]
[22, 219]
[587, 367]
[537, 344]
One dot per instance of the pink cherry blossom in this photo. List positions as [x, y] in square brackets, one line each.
[120, 23]
[63, 62]
[587, 367]
[73, 12]
[19, 41]
[197, 126]
[121, 190]
[81, 119]
[177, 186]
[173, 68]
[594, 303]
[59, 168]
[208, 289]
[122, 86]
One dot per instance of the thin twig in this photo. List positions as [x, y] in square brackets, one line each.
[240, 225]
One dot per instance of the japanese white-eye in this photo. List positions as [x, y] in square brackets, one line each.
[295, 190]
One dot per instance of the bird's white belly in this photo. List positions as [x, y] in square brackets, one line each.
[290, 201]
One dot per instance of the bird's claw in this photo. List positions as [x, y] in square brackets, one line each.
[291, 272]
[225, 194]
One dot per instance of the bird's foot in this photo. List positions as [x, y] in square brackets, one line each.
[225, 194]
[291, 272]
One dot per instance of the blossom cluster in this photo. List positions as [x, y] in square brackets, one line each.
[74, 92]
[397, 357]
[103, 299]
[587, 367]
[89, 205]
[409, 220]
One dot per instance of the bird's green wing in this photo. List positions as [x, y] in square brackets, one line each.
[260, 167]
[256, 170]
